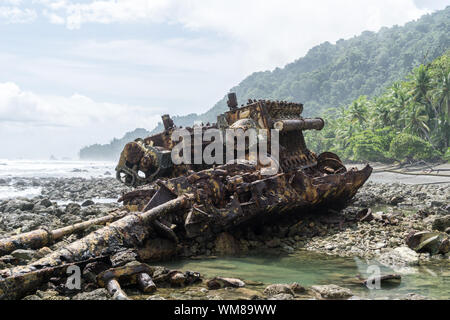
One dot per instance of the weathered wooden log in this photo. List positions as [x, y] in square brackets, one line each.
[115, 290]
[42, 237]
[146, 283]
[129, 231]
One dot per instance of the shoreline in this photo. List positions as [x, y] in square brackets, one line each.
[397, 209]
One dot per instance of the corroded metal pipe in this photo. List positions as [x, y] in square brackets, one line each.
[41, 237]
[299, 124]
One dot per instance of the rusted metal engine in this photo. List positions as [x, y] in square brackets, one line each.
[181, 203]
[144, 160]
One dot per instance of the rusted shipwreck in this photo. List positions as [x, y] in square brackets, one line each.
[182, 202]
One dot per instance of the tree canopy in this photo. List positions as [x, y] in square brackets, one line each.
[409, 121]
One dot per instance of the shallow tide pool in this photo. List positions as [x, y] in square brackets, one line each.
[307, 268]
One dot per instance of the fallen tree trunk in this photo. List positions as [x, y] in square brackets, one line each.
[41, 237]
[129, 231]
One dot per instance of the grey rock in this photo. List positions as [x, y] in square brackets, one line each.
[396, 200]
[87, 203]
[220, 282]
[441, 223]
[73, 208]
[45, 203]
[274, 289]
[281, 296]
[50, 295]
[399, 258]
[98, 294]
[413, 296]
[331, 291]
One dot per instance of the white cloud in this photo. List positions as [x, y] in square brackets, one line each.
[19, 106]
[76, 119]
[270, 33]
[12, 14]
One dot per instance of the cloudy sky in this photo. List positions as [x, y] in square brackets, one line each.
[73, 73]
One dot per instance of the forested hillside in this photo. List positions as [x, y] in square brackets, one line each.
[112, 150]
[333, 75]
[409, 121]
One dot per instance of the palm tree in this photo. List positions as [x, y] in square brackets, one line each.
[416, 119]
[422, 84]
[381, 114]
[397, 103]
[441, 93]
[358, 111]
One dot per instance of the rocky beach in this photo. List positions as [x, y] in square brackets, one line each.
[400, 226]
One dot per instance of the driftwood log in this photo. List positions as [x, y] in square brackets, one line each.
[42, 237]
[129, 231]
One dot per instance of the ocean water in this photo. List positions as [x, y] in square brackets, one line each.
[56, 168]
[13, 171]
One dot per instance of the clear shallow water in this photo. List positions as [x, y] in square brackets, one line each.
[309, 268]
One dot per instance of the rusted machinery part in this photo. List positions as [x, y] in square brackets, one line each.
[42, 237]
[299, 124]
[328, 155]
[329, 163]
[126, 176]
[166, 231]
[331, 166]
[129, 231]
[141, 163]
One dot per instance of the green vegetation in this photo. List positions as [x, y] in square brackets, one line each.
[410, 121]
[112, 150]
[332, 75]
